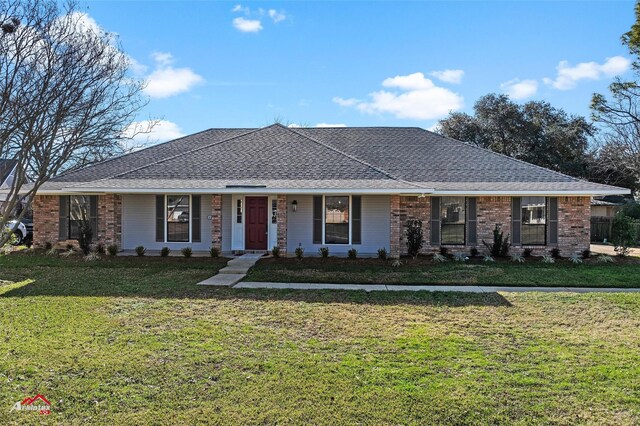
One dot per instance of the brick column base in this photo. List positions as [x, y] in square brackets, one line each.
[216, 221]
[395, 227]
[110, 220]
[282, 223]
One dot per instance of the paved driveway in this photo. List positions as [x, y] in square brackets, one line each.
[600, 248]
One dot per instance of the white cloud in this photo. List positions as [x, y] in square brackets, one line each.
[247, 25]
[568, 76]
[417, 99]
[415, 81]
[146, 133]
[520, 89]
[345, 102]
[167, 81]
[238, 8]
[330, 125]
[449, 76]
[163, 59]
[434, 128]
[277, 16]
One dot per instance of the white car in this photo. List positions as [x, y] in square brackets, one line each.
[18, 229]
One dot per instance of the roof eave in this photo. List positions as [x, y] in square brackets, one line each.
[325, 190]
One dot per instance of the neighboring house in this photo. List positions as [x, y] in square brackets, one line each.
[606, 206]
[342, 188]
[7, 174]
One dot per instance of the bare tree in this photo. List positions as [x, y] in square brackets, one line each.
[66, 96]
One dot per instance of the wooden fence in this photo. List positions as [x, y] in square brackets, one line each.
[601, 229]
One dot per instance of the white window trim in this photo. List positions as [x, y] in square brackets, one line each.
[324, 220]
[166, 221]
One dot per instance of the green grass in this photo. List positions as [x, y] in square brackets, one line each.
[623, 273]
[134, 341]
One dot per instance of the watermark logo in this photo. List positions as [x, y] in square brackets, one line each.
[38, 403]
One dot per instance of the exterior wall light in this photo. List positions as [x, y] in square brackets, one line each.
[294, 205]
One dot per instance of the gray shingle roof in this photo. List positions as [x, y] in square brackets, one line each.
[280, 157]
[6, 166]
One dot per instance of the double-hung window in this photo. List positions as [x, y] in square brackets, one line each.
[453, 216]
[336, 220]
[534, 220]
[178, 218]
[76, 210]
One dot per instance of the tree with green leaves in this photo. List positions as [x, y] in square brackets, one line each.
[535, 132]
[619, 115]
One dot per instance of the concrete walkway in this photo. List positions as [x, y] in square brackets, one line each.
[461, 288]
[234, 272]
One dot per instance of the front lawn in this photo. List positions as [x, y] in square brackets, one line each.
[623, 273]
[134, 341]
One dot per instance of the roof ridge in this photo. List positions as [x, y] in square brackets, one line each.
[354, 158]
[507, 156]
[177, 155]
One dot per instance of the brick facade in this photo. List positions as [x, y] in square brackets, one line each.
[46, 217]
[282, 223]
[415, 208]
[216, 221]
[110, 219]
[46, 212]
[492, 211]
[573, 224]
[395, 234]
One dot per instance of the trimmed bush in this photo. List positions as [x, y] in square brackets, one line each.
[100, 248]
[214, 252]
[382, 253]
[474, 252]
[299, 252]
[323, 252]
[112, 250]
[275, 252]
[444, 251]
[527, 252]
[164, 252]
[140, 251]
[555, 253]
[187, 252]
[48, 246]
[352, 254]
[586, 254]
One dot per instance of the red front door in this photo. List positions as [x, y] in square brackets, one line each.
[255, 225]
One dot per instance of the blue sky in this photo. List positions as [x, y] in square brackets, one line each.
[243, 64]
